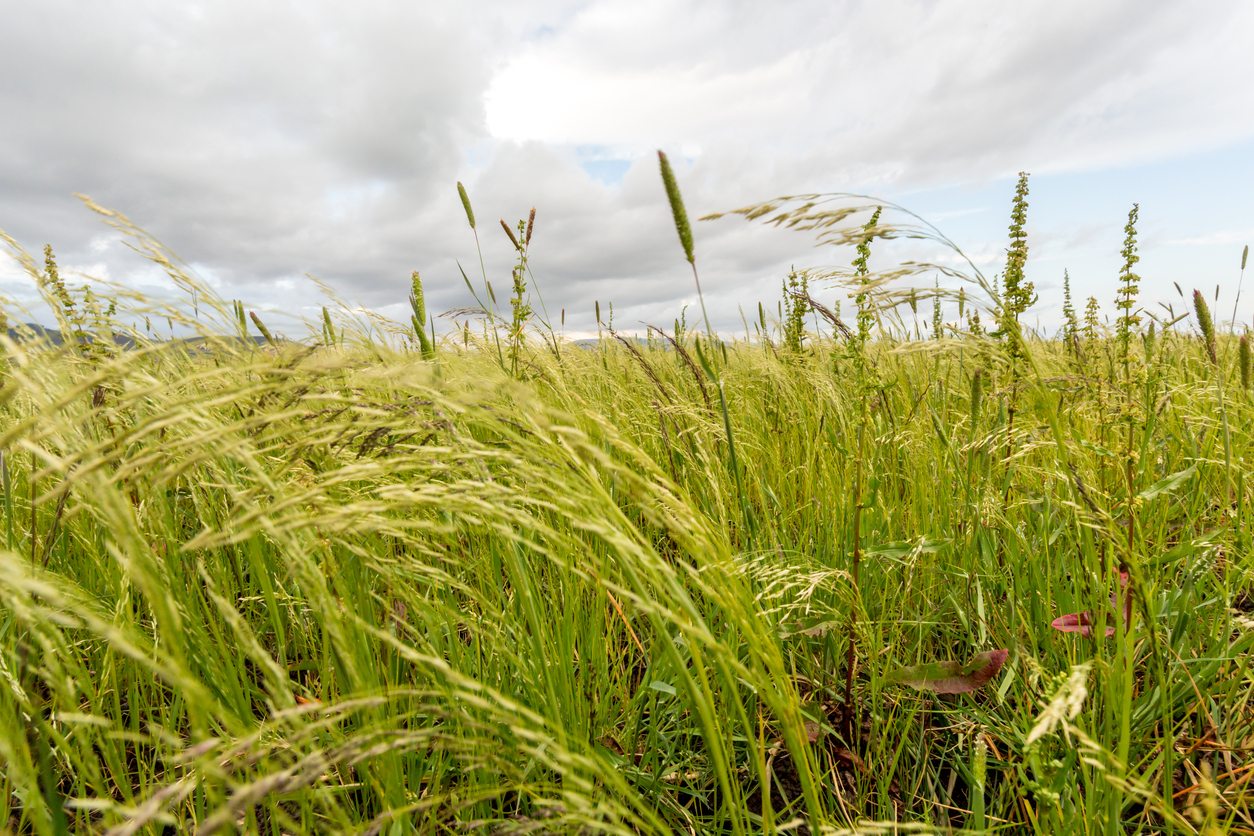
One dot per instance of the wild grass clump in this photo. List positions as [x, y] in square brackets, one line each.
[688, 585]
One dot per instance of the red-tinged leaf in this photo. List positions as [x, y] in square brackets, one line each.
[1082, 622]
[1077, 622]
[952, 677]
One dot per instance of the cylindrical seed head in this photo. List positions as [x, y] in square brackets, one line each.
[977, 395]
[677, 206]
[1205, 324]
[1243, 360]
[513, 239]
[470, 213]
[261, 326]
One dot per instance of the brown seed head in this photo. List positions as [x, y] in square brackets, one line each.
[513, 239]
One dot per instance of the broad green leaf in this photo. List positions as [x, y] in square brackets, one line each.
[951, 677]
[1168, 483]
[904, 548]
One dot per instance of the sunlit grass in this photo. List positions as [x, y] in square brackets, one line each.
[384, 587]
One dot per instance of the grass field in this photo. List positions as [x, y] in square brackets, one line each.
[829, 578]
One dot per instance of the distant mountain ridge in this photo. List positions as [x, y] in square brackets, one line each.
[32, 330]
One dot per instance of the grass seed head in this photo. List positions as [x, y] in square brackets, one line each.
[328, 327]
[977, 395]
[261, 326]
[1243, 360]
[1206, 325]
[470, 213]
[418, 304]
[513, 239]
[677, 206]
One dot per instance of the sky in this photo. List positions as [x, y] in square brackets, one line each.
[276, 146]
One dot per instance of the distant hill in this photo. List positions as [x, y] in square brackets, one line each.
[31, 330]
[593, 342]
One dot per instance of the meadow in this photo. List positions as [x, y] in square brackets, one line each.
[909, 567]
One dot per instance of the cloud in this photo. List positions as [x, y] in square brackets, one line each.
[267, 141]
[898, 87]
[1231, 237]
[264, 140]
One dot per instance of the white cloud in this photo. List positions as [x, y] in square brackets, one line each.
[267, 141]
[963, 90]
[1230, 237]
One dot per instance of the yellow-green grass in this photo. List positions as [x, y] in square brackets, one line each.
[310, 588]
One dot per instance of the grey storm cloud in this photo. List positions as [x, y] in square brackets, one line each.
[267, 141]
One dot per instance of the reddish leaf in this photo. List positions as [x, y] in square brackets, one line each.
[1082, 622]
[1077, 622]
[1127, 599]
[952, 677]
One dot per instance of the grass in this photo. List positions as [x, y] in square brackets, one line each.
[395, 585]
